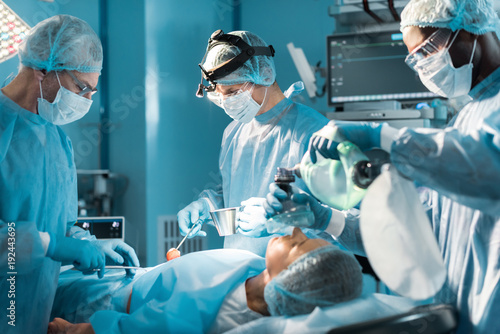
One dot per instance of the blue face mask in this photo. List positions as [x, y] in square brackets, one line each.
[66, 108]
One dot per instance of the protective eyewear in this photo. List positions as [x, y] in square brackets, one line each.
[437, 41]
[219, 98]
[84, 89]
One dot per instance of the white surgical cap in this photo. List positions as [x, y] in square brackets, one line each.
[62, 42]
[475, 16]
[258, 69]
[323, 277]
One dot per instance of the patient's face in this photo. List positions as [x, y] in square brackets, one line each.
[282, 251]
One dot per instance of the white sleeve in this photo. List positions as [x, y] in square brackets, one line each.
[336, 224]
[387, 136]
[45, 237]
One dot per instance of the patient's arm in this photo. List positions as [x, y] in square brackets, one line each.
[61, 326]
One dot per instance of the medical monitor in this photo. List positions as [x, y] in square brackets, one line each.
[369, 67]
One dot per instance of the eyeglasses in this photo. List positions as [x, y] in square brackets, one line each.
[219, 98]
[84, 88]
[431, 45]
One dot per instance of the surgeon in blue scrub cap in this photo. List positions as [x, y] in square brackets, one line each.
[269, 130]
[61, 60]
[454, 47]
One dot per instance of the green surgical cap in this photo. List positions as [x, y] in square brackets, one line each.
[62, 42]
[323, 277]
[475, 16]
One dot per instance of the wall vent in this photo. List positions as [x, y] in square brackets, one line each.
[169, 236]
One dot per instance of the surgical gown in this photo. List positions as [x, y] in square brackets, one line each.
[461, 164]
[183, 295]
[251, 153]
[37, 194]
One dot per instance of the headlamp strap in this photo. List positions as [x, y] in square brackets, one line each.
[232, 65]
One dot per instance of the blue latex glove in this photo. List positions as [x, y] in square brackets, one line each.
[322, 213]
[252, 218]
[365, 135]
[119, 253]
[83, 254]
[198, 212]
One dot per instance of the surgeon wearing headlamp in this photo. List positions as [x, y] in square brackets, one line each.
[454, 47]
[269, 131]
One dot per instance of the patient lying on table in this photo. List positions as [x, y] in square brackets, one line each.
[215, 291]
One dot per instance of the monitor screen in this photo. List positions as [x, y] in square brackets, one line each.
[364, 67]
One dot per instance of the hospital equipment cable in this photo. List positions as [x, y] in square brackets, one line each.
[367, 9]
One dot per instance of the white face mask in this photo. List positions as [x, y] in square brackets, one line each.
[438, 74]
[241, 107]
[66, 108]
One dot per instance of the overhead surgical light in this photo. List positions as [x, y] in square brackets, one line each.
[13, 30]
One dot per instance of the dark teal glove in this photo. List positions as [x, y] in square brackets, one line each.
[365, 135]
[83, 254]
[119, 253]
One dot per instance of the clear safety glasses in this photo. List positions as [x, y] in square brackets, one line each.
[437, 41]
[235, 99]
[83, 87]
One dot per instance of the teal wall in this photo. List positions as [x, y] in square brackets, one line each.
[126, 70]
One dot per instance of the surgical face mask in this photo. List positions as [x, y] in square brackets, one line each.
[240, 105]
[438, 74]
[66, 108]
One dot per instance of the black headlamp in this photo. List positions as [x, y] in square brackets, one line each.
[247, 52]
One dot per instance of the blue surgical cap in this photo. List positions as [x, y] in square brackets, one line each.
[323, 277]
[62, 42]
[475, 16]
[258, 69]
